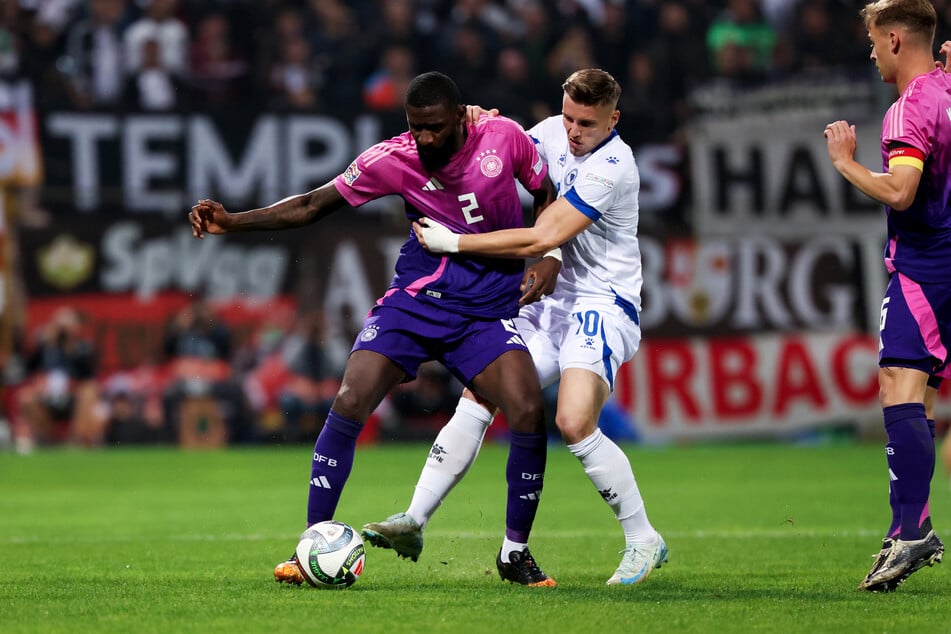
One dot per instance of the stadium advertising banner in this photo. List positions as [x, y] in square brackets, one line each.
[160, 163]
[130, 276]
[745, 335]
[769, 174]
[764, 385]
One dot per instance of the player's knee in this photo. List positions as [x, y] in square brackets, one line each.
[349, 404]
[526, 416]
[574, 430]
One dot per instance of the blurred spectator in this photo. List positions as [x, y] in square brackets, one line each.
[344, 328]
[293, 385]
[470, 60]
[286, 22]
[197, 348]
[43, 37]
[492, 19]
[680, 53]
[59, 401]
[159, 24]
[305, 398]
[613, 40]
[218, 69]
[385, 88]
[294, 81]
[133, 401]
[341, 51]
[540, 36]
[642, 121]
[93, 62]
[50, 21]
[154, 87]
[813, 38]
[816, 38]
[400, 23]
[943, 9]
[574, 50]
[512, 91]
[741, 42]
[195, 333]
[424, 405]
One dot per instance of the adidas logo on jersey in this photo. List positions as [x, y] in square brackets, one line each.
[432, 185]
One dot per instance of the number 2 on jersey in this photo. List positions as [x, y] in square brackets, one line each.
[471, 205]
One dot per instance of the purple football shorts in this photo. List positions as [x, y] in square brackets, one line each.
[466, 346]
[916, 326]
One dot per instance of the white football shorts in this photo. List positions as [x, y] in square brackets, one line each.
[595, 338]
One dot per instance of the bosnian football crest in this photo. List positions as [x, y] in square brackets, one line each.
[490, 163]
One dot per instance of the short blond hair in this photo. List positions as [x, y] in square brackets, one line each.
[918, 16]
[592, 87]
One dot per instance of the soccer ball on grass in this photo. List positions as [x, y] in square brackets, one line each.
[331, 555]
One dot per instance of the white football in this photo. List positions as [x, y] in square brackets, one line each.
[331, 555]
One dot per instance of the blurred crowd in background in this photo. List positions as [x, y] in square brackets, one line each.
[339, 56]
[331, 56]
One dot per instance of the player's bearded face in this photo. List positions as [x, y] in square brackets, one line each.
[587, 126]
[438, 132]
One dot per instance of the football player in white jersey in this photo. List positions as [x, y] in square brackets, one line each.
[581, 333]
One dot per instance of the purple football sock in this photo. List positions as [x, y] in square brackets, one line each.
[895, 526]
[910, 453]
[525, 474]
[331, 465]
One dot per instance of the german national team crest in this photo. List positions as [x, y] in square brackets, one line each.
[490, 163]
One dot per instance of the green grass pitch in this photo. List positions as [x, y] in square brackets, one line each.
[762, 537]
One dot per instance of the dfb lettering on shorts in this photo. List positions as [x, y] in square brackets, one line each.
[331, 462]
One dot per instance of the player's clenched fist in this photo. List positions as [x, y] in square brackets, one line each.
[840, 139]
[208, 216]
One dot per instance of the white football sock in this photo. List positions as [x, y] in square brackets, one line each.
[453, 452]
[610, 472]
[508, 547]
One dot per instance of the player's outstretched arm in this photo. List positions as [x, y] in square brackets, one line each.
[209, 216]
[559, 223]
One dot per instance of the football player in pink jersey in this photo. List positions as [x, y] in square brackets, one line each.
[915, 326]
[579, 335]
[454, 309]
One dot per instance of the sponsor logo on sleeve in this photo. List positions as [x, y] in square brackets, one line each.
[351, 174]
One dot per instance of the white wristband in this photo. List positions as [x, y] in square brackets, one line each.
[554, 253]
[439, 239]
